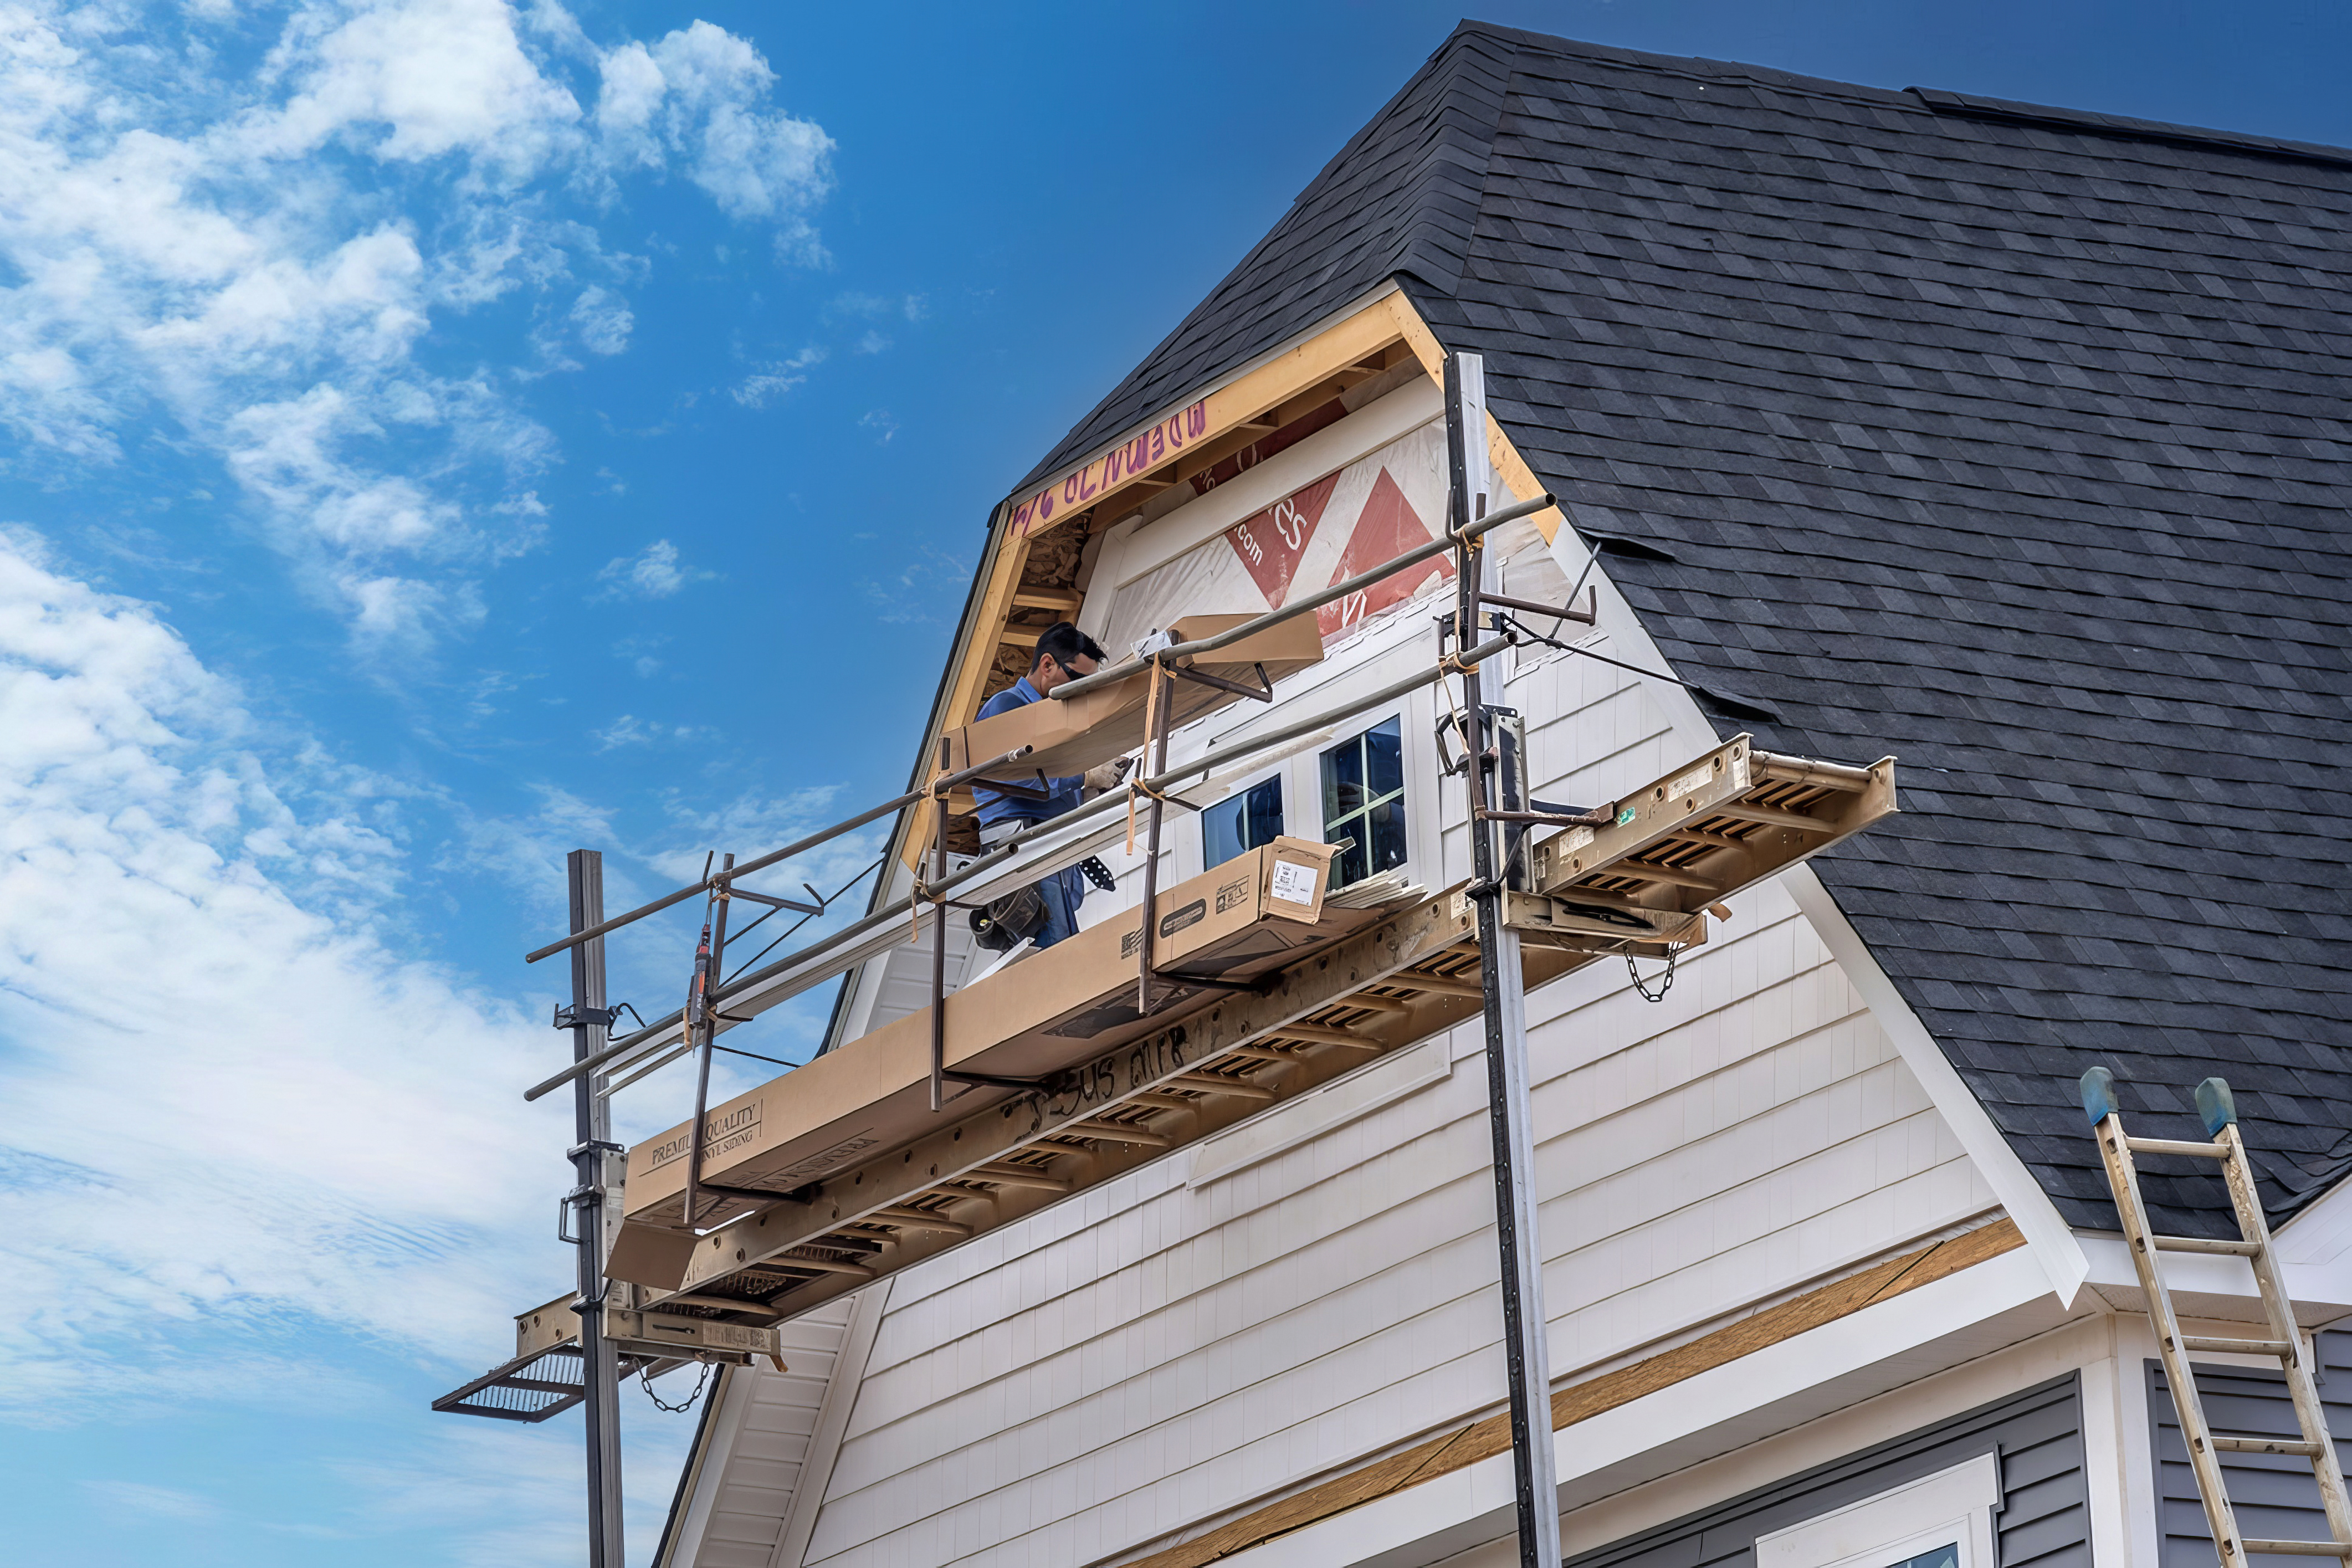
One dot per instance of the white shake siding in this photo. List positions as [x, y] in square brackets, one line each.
[1152, 1354]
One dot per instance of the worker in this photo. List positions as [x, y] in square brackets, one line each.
[1063, 654]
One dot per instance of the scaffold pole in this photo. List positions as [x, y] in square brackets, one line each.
[1510, 1109]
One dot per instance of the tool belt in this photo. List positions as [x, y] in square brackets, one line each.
[1009, 921]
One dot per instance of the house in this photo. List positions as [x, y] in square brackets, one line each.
[2007, 440]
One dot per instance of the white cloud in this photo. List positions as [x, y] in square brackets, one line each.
[255, 256]
[416, 79]
[639, 651]
[510, 1495]
[854, 305]
[697, 94]
[629, 730]
[160, 1502]
[776, 377]
[652, 573]
[170, 972]
[753, 823]
[602, 321]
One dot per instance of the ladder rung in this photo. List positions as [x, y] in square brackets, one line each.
[2267, 1445]
[2298, 1548]
[2198, 1244]
[2173, 1146]
[2279, 1348]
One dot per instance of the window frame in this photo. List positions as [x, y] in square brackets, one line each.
[1402, 795]
[1284, 786]
[1429, 846]
[1883, 1530]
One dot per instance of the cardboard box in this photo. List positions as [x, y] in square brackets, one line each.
[1070, 737]
[1256, 912]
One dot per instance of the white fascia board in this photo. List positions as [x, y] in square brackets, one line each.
[2048, 1237]
[841, 1391]
[1956, 1320]
[2314, 1248]
[2220, 1288]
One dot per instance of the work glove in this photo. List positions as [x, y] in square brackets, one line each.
[1108, 777]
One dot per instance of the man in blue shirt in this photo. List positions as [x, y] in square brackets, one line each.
[1064, 653]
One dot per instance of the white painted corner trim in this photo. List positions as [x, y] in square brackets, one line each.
[2048, 1237]
[2316, 1246]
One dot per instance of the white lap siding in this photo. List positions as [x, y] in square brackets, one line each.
[1154, 1354]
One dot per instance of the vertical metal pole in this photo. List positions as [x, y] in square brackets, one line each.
[591, 1122]
[1510, 1109]
[940, 937]
[1155, 751]
[708, 965]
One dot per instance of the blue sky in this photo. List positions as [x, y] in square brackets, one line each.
[436, 434]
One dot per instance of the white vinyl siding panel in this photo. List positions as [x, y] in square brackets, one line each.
[1152, 1355]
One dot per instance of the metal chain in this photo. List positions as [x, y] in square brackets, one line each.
[1666, 980]
[644, 1380]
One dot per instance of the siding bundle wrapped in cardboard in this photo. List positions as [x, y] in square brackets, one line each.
[1069, 737]
[1254, 913]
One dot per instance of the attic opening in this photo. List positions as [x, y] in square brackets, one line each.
[1054, 556]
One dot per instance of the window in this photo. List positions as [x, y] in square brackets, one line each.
[1363, 799]
[1236, 827]
[1943, 1520]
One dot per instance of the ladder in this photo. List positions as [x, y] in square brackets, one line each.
[2219, 1113]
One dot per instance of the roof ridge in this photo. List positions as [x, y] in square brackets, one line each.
[2013, 111]
[1697, 67]
[1937, 100]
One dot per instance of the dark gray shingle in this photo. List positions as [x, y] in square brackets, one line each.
[2010, 440]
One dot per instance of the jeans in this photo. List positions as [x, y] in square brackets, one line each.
[1063, 893]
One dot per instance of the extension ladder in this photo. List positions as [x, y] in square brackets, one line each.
[2116, 1148]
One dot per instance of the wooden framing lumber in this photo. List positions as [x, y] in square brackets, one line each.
[1217, 1083]
[1466, 1446]
[1324, 1034]
[821, 1266]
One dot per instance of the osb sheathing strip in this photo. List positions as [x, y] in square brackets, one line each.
[1483, 1439]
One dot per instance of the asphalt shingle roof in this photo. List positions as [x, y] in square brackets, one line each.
[2008, 440]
